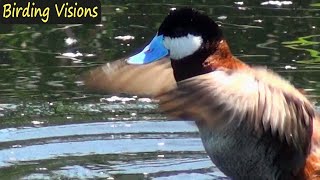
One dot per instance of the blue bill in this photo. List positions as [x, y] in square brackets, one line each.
[153, 52]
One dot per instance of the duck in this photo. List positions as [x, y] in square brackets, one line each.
[253, 123]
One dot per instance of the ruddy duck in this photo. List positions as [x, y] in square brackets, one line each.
[253, 124]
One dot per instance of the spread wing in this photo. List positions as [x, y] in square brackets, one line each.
[257, 97]
[121, 77]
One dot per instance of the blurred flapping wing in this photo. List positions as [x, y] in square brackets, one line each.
[257, 97]
[121, 77]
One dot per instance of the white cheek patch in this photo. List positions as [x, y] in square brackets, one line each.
[182, 46]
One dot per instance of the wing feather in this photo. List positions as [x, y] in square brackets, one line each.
[257, 97]
[121, 77]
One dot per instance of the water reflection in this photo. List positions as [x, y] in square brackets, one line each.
[51, 128]
[310, 44]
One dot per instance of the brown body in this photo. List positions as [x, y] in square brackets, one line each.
[253, 124]
[263, 146]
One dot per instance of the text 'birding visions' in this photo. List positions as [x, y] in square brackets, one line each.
[50, 12]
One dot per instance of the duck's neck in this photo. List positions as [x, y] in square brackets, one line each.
[207, 59]
[190, 66]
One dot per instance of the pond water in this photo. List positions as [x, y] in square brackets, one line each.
[50, 128]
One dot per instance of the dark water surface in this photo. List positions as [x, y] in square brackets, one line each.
[51, 129]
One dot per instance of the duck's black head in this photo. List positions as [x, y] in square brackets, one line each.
[189, 37]
[186, 31]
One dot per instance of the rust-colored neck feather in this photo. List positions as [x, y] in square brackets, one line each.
[205, 60]
[223, 57]
[311, 170]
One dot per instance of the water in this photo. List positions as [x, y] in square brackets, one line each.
[52, 129]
